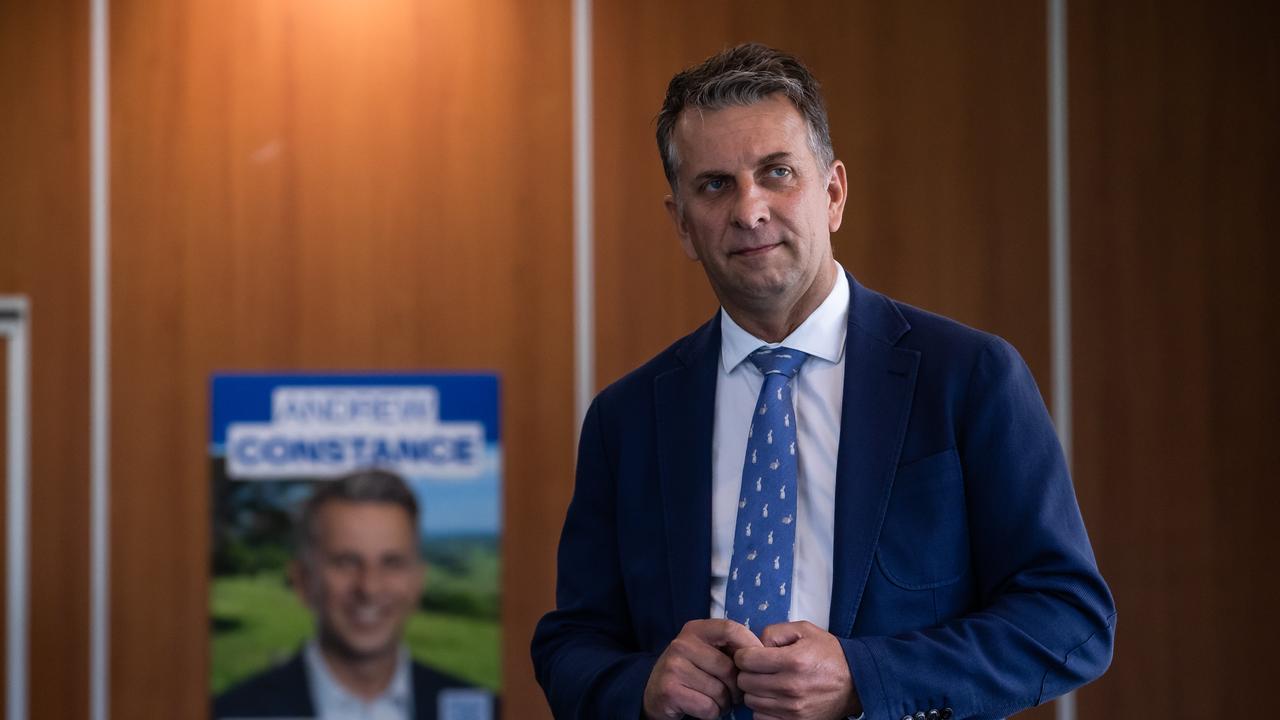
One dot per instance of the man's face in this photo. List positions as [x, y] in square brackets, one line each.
[753, 206]
[362, 576]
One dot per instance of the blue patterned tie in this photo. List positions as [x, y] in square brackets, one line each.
[759, 588]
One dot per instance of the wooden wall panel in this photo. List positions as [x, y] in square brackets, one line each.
[329, 185]
[939, 112]
[44, 253]
[306, 185]
[1175, 175]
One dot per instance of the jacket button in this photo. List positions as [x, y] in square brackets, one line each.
[934, 715]
[920, 715]
[946, 714]
[906, 717]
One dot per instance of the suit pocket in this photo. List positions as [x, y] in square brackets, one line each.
[924, 542]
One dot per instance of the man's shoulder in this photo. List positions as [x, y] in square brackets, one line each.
[952, 353]
[931, 331]
[279, 691]
[949, 350]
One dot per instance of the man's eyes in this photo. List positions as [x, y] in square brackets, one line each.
[777, 172]
[345, 562]
[348, 563]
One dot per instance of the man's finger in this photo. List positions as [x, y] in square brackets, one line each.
[696, 704]
[678, 687]
[758, 685]
[763, 707]
[709, 661]
[761, 660]
[723, 633]
[706, 686]
[782, 634]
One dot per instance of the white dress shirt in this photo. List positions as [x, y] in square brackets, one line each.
[332, 701]
[818, 391]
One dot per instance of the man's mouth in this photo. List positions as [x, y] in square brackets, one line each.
[757, 250]
[366, 615]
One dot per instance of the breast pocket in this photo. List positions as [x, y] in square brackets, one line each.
[924, 542]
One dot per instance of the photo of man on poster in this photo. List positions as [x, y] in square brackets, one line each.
[358, 569]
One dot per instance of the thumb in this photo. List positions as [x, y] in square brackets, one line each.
[782, 634]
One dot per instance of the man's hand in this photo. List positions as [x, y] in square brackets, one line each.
[800, 673]
[695, 675]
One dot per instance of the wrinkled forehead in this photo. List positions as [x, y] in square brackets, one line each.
[738, 136]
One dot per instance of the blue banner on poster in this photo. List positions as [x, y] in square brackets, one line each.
[439, 430]
[278, 426]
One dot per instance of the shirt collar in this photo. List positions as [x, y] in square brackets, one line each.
[821, 335]
[327, 692]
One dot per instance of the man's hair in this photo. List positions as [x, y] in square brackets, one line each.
[744, 75]
[369, 485]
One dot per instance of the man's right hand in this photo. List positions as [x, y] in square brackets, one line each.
[695, 675]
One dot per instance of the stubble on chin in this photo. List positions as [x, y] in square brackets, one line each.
[764, 288]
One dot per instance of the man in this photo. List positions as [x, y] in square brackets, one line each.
[823, 503]
[359, 570]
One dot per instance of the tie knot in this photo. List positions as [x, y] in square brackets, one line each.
[778, 360]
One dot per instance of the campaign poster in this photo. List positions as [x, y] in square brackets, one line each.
[276, 438]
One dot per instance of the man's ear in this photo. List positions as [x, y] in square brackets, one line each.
[837, 194]
[682, 228]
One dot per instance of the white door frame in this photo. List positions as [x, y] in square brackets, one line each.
[14, 319]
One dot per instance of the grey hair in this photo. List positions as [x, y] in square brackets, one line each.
[369, 485]
[744, 75]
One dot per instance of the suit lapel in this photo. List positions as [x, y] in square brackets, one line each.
[294, 689]
[685, 410]
[879, 381]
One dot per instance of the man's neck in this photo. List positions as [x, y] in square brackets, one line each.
[774, 322]
[365, 677]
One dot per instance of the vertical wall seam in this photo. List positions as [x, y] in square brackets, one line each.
[99, 372]
[583, 257]
[1060, 250]
[14, 325]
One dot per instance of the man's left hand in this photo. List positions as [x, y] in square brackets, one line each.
[800, 674]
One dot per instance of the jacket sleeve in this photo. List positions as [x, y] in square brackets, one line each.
[585, 654]
[1045, 619]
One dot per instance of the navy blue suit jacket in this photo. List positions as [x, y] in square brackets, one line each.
[284, 691]
[963, 577]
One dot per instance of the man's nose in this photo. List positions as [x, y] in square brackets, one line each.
[750, 208]
[369, 582]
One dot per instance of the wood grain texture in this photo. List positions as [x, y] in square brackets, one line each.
[1175, 175]
[938, 111]
[307, 185]
[44, 253]
[329, 185]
